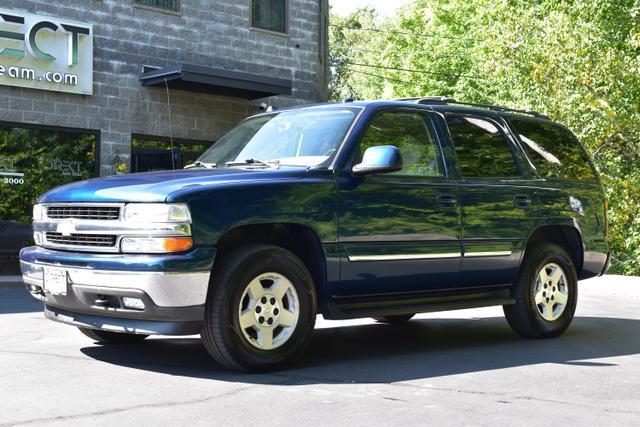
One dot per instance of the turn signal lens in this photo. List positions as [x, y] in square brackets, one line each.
[155, 245]
[177, 244]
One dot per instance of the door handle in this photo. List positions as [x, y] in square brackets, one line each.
[447, 201]
[522, 201]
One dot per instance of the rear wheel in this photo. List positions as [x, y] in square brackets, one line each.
[394, 320]
[546, 294]
[106, 337]
[261, 309]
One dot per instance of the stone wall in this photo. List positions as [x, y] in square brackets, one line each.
[213, 33]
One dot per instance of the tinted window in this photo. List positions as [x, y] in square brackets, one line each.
[153, 154]
[269, 15]
[413, 135]
[554, 150]
[481, 148]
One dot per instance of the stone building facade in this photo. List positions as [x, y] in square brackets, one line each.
[243, 49]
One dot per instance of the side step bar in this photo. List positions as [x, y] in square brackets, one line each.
[346, 310]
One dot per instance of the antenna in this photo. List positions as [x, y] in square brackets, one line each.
[173, 155]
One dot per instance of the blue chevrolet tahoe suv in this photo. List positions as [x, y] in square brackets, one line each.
[354, 209]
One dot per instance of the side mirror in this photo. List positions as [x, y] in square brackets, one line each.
[380, 159]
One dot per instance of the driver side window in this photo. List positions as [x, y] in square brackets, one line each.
[413, 134]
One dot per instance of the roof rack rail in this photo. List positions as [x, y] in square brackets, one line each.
[442, 100]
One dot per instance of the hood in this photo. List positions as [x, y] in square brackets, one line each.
[157, 186]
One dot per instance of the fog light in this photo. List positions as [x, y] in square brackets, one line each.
[133, 303]
[37, 237]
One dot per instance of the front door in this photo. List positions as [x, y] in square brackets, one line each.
[400, 232]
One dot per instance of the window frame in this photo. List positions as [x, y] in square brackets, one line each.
[429, 119]
[508, 140]
[160, 9]
[266, 30]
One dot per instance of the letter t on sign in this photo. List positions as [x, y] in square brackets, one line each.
[73, 41]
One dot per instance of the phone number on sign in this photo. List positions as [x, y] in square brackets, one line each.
[12, 181]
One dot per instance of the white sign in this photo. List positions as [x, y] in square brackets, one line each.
[42, 52]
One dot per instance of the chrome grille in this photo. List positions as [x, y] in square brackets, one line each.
[111, 213]
[96, 240]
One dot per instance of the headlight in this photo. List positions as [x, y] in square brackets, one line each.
[156, 212]
[37, 238]
[155, 245]
[38, 213]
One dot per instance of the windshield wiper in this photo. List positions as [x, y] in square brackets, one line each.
[199, 164]
[269, 163]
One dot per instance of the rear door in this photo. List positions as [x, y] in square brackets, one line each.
[498, 203]
[400, 232]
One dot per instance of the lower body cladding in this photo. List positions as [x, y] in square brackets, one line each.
[136, 302]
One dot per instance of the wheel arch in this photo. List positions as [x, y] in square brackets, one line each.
[566, 236]
[300, 239]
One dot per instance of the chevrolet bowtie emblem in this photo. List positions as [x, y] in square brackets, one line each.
[66, 228]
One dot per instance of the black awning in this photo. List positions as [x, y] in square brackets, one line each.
[216, 81]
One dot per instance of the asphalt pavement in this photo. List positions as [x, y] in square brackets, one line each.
[455, 368]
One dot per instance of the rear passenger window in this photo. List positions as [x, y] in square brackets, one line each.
[412, 133]
[553, 150]
[481, 148]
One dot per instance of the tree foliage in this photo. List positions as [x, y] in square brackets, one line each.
[576, 61]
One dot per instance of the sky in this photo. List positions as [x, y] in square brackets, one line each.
[384, 7]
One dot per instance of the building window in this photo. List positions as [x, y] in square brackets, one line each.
[173, 5]
[270, 15]
[155, 154]
[33, 161]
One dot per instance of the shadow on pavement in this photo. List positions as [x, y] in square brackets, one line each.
[18, 300]
[379, 353]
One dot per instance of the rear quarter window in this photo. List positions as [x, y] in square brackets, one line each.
[554, 150]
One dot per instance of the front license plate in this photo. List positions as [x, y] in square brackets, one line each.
[55, 281]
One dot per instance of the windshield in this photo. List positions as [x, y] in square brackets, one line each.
[307, 137]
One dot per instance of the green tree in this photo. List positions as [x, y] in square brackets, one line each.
[577, 62]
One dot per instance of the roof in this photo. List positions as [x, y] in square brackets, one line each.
[436, 104]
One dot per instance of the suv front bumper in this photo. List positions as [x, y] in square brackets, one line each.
[172, 294]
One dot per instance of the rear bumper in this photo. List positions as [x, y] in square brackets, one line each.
[607, 264]
[173, 298]
[597, 258]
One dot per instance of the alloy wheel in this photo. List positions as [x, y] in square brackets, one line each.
[269, 311]
[551, 292]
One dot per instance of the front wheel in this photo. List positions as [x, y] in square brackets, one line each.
[106, 337]
[261, 309]
[546, 294]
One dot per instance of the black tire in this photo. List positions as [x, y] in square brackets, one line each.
[105, 337]
[222, 335]
[394, 320]
[524, 317]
